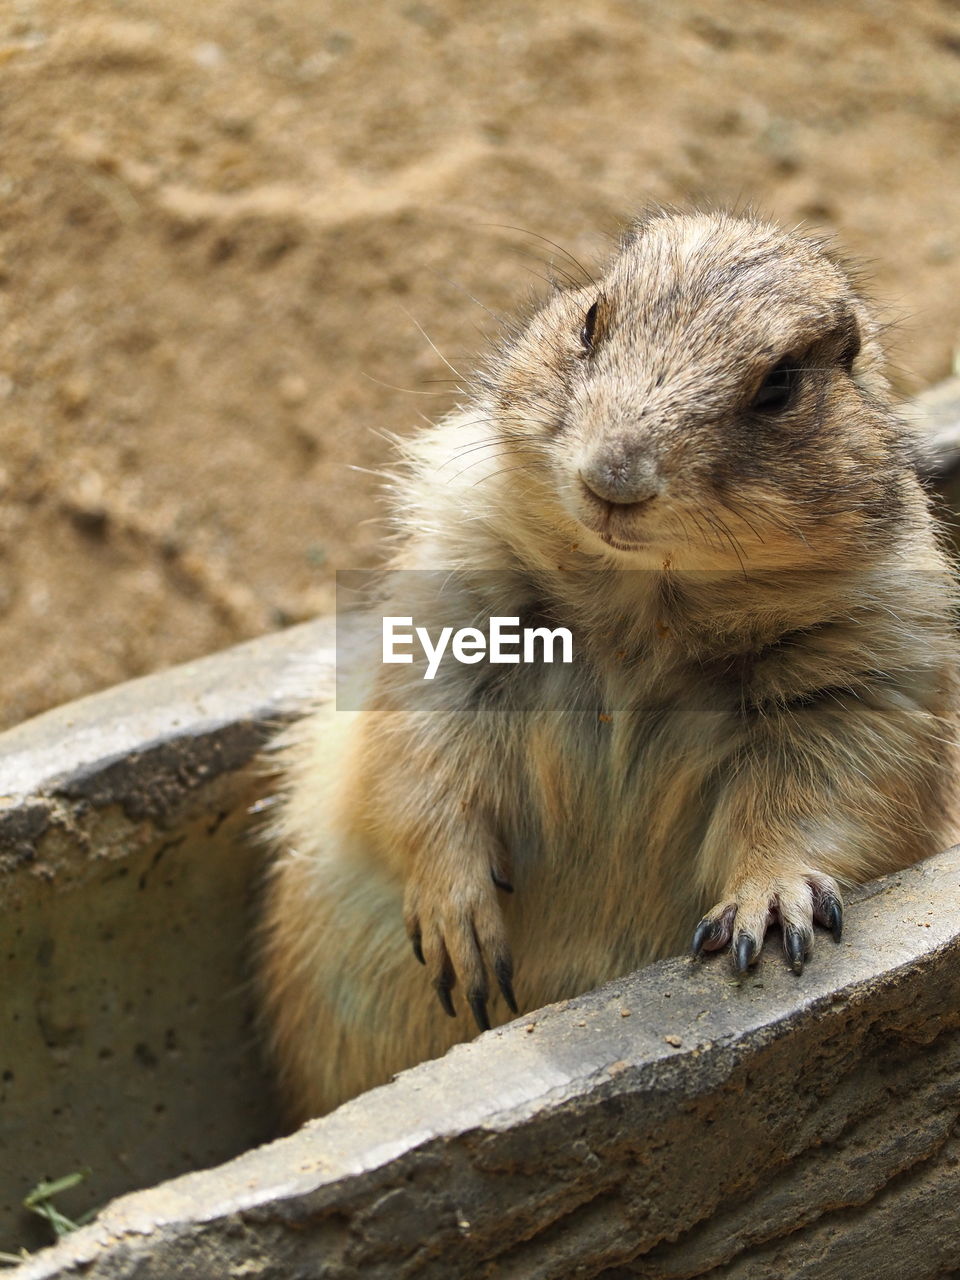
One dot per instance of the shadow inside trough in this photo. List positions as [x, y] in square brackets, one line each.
[128, 878]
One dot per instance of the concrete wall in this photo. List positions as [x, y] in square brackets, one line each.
[127, 878]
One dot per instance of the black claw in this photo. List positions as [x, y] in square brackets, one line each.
[794, 944]
[416, 941]
[500, 882]
[478, 1003]
[442, 988]
[504, 971]
[833, 916]
[743, 952]
[706, 931]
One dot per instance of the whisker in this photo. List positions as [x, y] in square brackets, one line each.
[431, 342]
[410, 391]
[738, 511]
[728, 531]
[502, 320]
[779, 522]
[504, 471]
[503, 226]
[716, 523]
[484, 444]
[550, 265]
[509, 453]
[704, 534]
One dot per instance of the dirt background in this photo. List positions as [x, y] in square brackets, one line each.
[221, 224]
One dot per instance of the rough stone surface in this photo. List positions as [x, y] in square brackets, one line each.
[799, 1127]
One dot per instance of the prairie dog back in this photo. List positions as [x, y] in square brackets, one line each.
[695, 464]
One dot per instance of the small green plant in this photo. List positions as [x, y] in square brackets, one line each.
[40, 1202]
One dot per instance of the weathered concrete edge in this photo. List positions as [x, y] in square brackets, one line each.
[936, 414]
[453, 1116]
[145, 744]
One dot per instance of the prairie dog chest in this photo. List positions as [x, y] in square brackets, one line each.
[617, 766]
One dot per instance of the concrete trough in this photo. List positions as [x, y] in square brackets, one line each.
[674, 1123]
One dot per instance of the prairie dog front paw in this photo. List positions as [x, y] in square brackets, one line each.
[797, 900]
[457, 930]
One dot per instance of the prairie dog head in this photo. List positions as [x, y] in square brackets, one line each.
[714, 400]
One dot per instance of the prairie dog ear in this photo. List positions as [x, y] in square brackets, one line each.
[864, 357]
[849, 339]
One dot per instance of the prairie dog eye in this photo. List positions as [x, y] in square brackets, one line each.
[776, 390]
[589, 328]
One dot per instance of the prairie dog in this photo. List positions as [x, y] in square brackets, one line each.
[695, 463]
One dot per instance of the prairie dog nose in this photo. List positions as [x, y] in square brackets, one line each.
[620, 477]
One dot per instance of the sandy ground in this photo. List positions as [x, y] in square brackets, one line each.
[222, 224]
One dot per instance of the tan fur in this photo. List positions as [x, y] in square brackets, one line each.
[765, 700]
